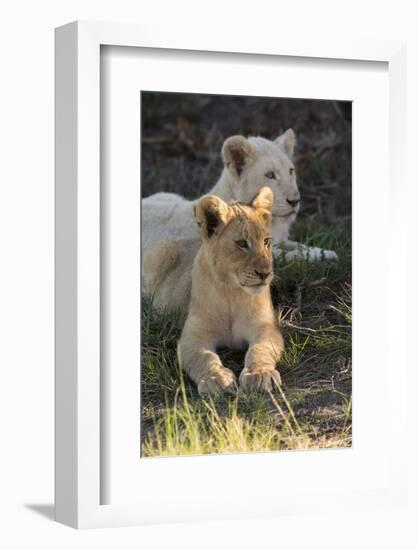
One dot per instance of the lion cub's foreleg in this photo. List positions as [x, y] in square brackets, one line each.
[197, 358]
[261, 359]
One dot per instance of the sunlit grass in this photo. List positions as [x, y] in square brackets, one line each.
[205, 427]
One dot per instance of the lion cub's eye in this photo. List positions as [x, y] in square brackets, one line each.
[242, 244]
[268, 242]
[291, 171]
[271, 175]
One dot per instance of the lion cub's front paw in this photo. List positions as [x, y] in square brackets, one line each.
[330, 255]
[222, 381]
[309, 253]
[259, 379]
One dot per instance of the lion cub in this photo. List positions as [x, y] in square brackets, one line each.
[230, 302]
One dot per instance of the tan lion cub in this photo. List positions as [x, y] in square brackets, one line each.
[230, 297]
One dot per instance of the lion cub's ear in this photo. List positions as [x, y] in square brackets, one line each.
[236, 153]
[287, 142]
[262, 202]
[210, 213]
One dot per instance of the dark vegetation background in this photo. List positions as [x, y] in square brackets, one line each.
[182, 135]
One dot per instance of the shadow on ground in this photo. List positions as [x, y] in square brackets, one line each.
[45, 510]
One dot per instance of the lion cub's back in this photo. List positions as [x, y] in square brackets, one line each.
[167, 216]
[166, 272]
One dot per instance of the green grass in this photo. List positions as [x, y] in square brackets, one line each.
[313, 409]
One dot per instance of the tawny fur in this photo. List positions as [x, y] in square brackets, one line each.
[230, 303]
[249, 164]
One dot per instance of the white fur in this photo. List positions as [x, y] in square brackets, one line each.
[246, 163]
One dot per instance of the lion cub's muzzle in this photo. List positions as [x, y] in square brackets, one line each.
[260, 277]
[264, 276]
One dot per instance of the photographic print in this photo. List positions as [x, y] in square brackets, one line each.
[246, 295]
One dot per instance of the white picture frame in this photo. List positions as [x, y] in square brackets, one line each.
[78, 412]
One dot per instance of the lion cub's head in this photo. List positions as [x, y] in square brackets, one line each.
[254, 162]
[237, 240]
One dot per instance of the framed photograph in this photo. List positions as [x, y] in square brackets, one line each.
[199, 140]
[222, 208]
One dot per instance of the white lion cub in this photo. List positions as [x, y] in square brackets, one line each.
[249, 164]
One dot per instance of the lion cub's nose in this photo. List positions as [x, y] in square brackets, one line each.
[263, 274]
[293, 203]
